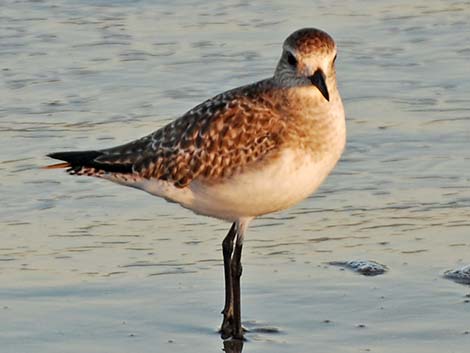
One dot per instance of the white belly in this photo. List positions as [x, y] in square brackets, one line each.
[279, 185]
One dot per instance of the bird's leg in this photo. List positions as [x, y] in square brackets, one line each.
[232, 326]
[227, 249]
[236, 274]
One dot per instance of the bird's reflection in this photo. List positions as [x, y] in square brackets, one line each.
[233, 346]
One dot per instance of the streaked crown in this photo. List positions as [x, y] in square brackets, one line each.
[308, 41]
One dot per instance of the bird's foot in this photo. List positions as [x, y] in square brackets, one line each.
[228, 329]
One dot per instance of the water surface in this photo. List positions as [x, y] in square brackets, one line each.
[88, 266]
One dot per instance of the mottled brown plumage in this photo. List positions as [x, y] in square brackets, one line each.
[309, 41]
[212, 141]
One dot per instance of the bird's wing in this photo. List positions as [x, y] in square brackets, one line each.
[215, 140]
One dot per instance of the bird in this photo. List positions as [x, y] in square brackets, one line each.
[247, 152]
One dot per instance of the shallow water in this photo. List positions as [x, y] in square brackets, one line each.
[88, 266]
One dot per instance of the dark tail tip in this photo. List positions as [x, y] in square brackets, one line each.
[87, 159]
[73, 160]
[79, 158]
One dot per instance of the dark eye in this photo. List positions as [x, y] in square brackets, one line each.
[334, 59]
[291, 59]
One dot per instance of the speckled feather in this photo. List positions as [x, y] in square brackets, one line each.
[214, 140]
[311, 41]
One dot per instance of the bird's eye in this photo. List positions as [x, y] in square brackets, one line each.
[291, 59]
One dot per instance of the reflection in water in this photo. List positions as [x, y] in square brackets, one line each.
[233, 346]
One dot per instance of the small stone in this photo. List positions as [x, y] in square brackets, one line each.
[364, 267]
[459, 275]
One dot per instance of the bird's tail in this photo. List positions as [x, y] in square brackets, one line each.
[88, 163]
[73, 159]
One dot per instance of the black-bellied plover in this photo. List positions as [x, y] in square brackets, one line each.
[244, 153]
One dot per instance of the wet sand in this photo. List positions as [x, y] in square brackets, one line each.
[87, 266]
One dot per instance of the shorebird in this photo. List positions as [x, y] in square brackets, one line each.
[244, 153]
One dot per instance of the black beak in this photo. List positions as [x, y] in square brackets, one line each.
[318, 80]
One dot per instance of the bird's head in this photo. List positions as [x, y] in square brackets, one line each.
[308, 59]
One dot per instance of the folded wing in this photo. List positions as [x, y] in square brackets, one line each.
[215, 140]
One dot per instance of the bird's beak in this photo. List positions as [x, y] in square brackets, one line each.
[318, 80]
